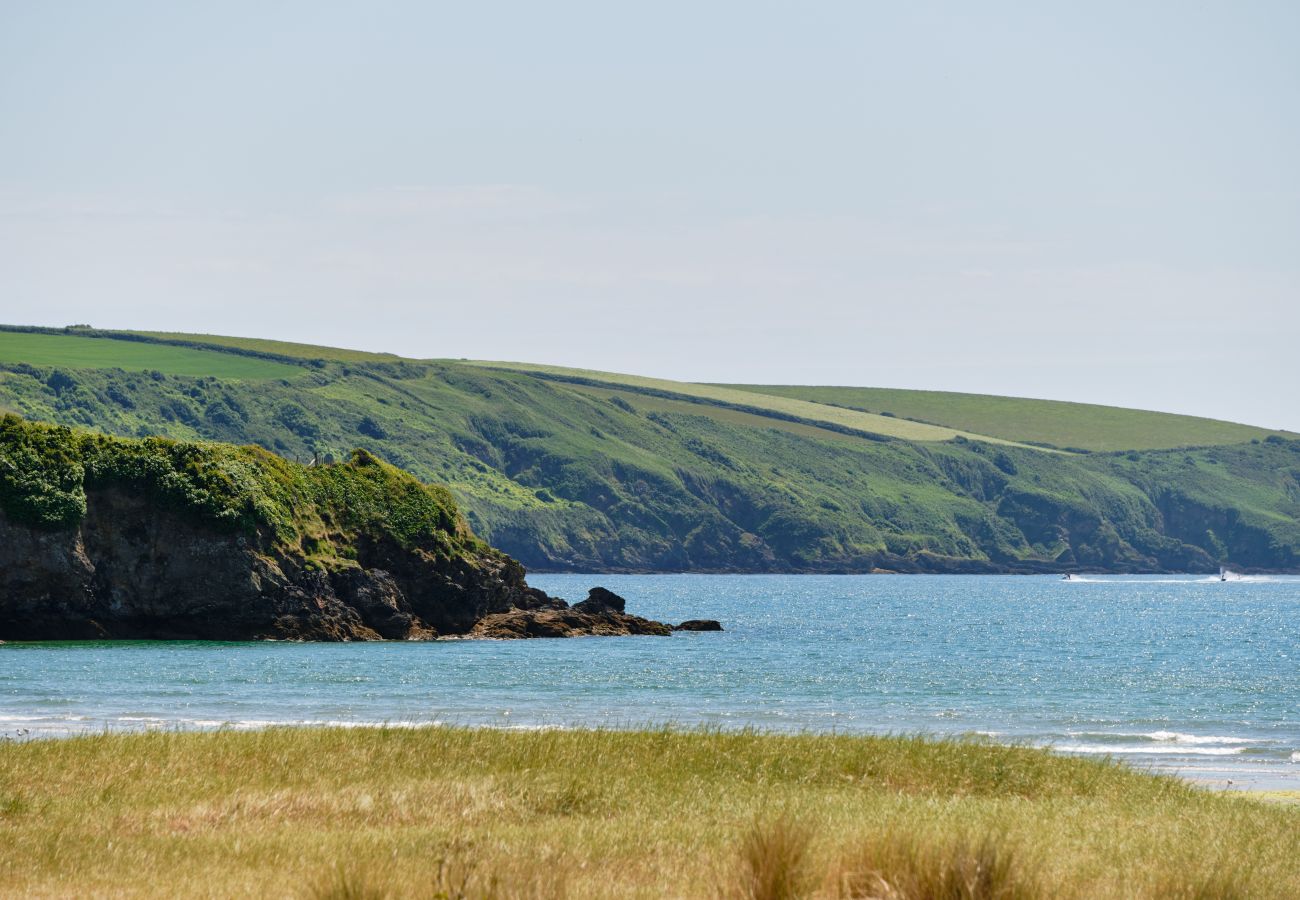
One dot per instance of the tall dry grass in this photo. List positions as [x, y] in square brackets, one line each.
[906, 866]
[466, 813]
[773, 862]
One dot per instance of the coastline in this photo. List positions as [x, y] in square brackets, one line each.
[1241, 779]
[1023, 661]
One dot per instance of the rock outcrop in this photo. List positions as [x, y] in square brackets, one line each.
[699, 625]
[131, 570]
[107, 538]
[602, 613]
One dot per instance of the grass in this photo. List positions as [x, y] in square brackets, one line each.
[902, 866]
[1052, 422]
[76, 352]
[793, 409]
[280, 348]
[649, 403]
[450, 812]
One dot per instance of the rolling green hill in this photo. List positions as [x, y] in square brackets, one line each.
[74, 351]
[280, 348]
[573, 470]
[1052, 423]
[788, 408]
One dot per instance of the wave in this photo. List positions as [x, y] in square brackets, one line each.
[1178, 737]
[1147, 749]
[1209, 579]
[68, 725]
[1172, 744]
[252, 724]
[1164, 737]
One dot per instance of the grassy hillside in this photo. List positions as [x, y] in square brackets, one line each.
[606, 475]
[786, 408]
[1047, 422]
[281, 348]
[77, 352]
[478, 813]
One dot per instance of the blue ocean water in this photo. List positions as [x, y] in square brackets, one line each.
[1181, 674]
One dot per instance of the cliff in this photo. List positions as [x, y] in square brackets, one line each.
[111, 538]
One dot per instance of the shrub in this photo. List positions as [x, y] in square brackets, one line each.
[297, 420]
[370, 428]
[40, 475]
[45, 470]
[905, 867]
[773, 862]
[60, 381]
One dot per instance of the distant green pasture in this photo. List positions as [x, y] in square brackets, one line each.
[74, 352]
[777, 406]
[650, 403]
[1058, 423]
[281, 348]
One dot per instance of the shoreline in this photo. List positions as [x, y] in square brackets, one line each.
[1222, 777]
[1040, 572]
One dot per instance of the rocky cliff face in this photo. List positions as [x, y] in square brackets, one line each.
[130, 570]
[109, 538]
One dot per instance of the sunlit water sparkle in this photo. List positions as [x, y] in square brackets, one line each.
[1178, 674]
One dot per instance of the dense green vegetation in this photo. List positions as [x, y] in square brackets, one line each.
[460, 813]
[1051, 423]
[46, 470]
[605, 475]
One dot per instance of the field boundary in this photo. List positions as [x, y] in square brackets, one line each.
[665, 390]
[135, 337]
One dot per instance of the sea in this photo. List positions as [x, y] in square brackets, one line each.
[1179, 674]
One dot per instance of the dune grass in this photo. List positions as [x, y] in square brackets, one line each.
[1058, 423]
[453, 812]
[80, 352]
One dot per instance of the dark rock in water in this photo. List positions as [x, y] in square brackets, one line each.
[600, 616]
[699, 625]
[601, 600]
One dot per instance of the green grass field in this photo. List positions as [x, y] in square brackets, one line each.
[651, 403]
[1054, 422]
[77, 352]
[730, 397]
[458, 813]
[281, 348]
[910, 415]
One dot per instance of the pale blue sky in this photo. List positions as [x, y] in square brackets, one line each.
[1090, 201]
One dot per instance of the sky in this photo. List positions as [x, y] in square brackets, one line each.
[1083, 201]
